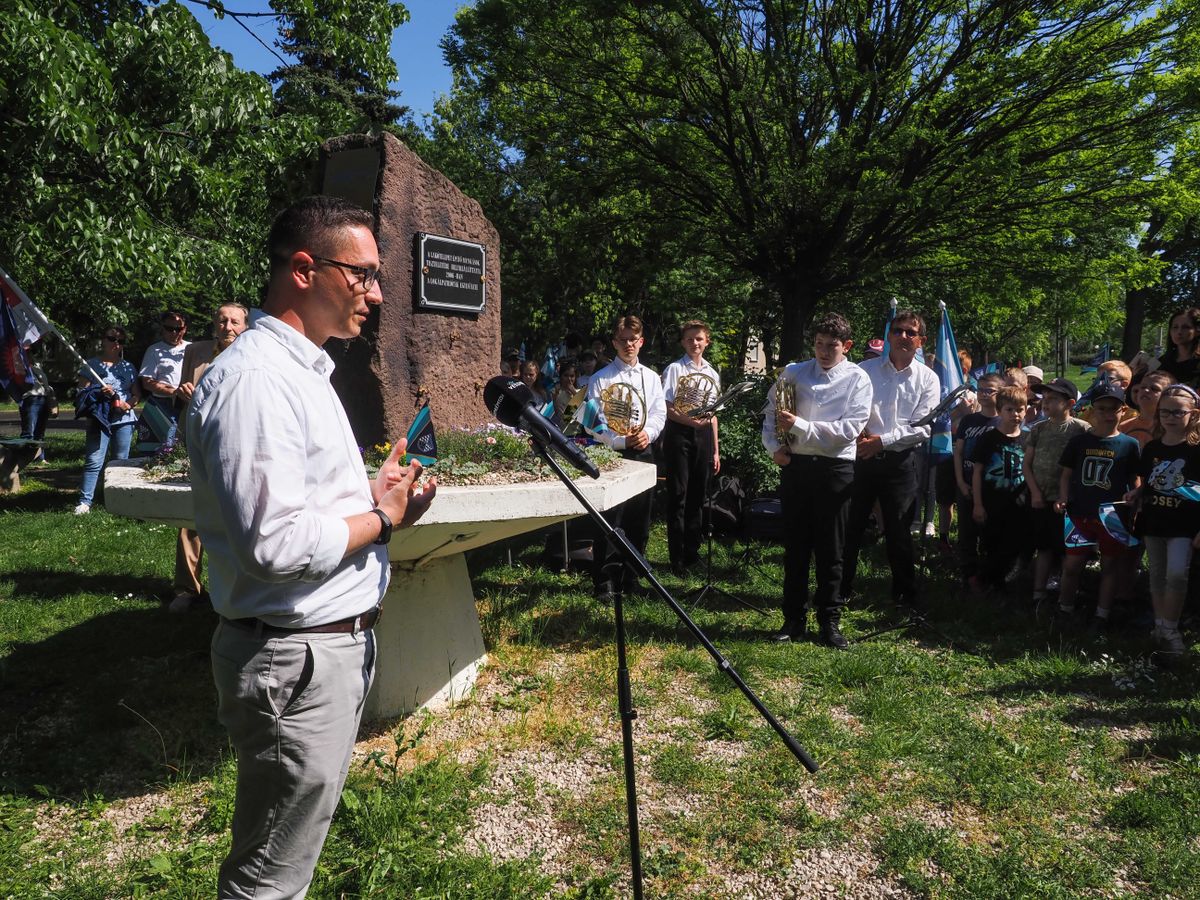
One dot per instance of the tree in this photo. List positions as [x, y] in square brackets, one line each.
[827, 150]
[343, 65]
[142, 165]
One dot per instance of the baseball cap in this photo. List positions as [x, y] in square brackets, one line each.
[1034, 372]
[1108, 389]
[1059, 386]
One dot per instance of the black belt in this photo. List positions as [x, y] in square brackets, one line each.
[349, 625]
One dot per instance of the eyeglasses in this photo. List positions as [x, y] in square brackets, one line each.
[906, 332]
[986, 392]
[173, 329]
[1175, 413]
[115, 338]
[366, 277]
[632, 340]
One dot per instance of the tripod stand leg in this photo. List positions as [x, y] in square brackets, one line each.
[628, 714]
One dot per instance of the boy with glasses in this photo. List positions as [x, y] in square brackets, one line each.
[162, 367]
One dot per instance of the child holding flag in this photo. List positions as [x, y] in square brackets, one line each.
[1169, 509]
[1098, 467]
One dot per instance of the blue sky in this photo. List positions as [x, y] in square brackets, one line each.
[423, 73]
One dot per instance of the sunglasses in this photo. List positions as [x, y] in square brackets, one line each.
[173, 328]
[115, 338]
[906, 332]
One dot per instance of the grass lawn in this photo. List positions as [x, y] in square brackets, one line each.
[978, 760]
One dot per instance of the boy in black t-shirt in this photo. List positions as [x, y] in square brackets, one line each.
[969, 430]
[1000, 504]
[1097, 467]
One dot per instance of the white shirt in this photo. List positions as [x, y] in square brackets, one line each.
[832, 406]
[685, 366]
[275, 472]
[899, 398]
[647, 384]
[164, 363]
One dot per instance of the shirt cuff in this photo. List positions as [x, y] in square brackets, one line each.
[330, 550]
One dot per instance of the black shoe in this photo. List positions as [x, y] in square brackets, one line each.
[831, 636]
[792, 630]
[910, 604]
[679, 570]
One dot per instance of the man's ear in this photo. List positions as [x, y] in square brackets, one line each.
[301, 270]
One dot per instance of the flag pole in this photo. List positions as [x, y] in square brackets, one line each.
[39, 318]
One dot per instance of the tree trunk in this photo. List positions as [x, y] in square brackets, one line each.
[798, 301]
[1135, 317]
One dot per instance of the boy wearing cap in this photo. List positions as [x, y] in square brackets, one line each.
[1098, 467]
[1043, 449]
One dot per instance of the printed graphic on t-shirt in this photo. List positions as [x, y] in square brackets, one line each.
[1096, 469]
[1167, 475]
[1004, 470]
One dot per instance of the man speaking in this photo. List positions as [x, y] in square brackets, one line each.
[297, 538]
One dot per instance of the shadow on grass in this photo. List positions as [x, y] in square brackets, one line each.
[116, 705]
[36, 501]
[50, 585]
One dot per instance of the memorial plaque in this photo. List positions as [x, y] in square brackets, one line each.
[451, 274]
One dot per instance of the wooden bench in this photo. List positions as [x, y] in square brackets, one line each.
[15, 453]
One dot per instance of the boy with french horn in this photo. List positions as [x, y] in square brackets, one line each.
[632, 407]
[691, 451]
[815, 412]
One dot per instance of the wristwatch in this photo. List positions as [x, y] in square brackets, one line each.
[385, 533]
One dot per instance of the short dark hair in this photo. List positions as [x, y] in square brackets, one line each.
[170, 315]
[909, 315]
[834, 325]
[313, 222]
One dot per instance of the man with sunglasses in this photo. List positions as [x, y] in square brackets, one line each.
[297, 544]
[903, 390]
[162, 366]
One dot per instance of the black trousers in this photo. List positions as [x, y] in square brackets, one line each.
[632, 517]
[890, 478]
[815, 492]
[687, 458]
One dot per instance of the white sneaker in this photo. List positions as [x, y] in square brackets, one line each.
[1169, 640]
[83, 509]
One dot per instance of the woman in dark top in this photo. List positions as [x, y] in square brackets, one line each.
[1182, 360]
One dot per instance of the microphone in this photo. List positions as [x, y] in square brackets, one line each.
[511, 403]
[942, 408]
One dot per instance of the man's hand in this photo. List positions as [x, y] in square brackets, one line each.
[1060, 506]
[402, 499]
[964, 489]
[1037, 501]
[639, 441]
[781, 456]
[869, 445]
[185, 390]
[785, 419]
[979, 514]
[716, 463]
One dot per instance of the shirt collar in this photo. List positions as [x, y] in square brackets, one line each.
[622, 366]
[301, 348]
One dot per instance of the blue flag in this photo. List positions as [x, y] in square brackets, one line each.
[422, 443]
[1073, 539]
[588, 419]
[1115, 525]
[887, 330]
[948, 368]
[1189, 490]
[1096, 361]
[550, 369]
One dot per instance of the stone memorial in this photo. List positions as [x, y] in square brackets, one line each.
[426, 341]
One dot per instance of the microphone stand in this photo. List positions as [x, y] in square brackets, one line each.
[638, 563]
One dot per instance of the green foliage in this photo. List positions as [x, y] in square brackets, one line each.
[742, 452]
[839, 153]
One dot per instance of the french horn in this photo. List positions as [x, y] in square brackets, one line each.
[624, 408]
[693, 392]
[785, 401]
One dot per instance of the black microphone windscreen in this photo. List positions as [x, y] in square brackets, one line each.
[505, 397]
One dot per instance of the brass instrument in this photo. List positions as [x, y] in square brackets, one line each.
[693, 392]
[624, 408]
[785, 401]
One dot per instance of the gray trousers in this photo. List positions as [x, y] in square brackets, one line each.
[291, 705]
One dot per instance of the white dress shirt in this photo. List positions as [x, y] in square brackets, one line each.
[163, 362]
[899, 398]
[647, 384]
[275, 472]
[685, 366]
[832, 406]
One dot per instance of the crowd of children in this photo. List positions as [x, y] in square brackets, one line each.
[1051, 491]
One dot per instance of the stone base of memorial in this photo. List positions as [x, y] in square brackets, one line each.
[430, 643]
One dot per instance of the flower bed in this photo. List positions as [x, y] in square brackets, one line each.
[492, 454]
